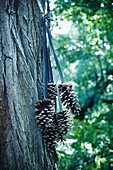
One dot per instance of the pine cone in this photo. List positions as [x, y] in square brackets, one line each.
[52, 92]
[69, 98]
[62, 123]
[44, 118]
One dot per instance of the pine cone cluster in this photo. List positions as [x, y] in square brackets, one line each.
[54, 126]
[69, 98]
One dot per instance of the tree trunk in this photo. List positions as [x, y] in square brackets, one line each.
[21, 145]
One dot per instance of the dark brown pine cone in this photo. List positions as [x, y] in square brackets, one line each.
[69, 98]
[44, 110]
[45, 120]
[62, 123]
[52, 92]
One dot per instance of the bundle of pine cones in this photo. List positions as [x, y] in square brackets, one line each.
[55, 125]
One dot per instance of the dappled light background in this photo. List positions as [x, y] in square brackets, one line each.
[83, 38]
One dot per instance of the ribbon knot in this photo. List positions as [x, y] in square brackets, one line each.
[43, 19]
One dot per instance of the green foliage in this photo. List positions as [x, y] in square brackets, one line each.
[93, 144]
[86, 57]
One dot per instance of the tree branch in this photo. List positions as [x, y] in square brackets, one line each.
[107, 101]
[99, 90]
[87, 161]
[109, 72]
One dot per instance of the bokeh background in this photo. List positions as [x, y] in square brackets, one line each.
[83, 39]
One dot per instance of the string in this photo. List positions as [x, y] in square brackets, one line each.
[50, 69]
[52, 78]
[45, 67]
[48, 74]
[46, 61]
[55, 56]
[58, 93]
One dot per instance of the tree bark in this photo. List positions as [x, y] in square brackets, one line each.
[21, 145]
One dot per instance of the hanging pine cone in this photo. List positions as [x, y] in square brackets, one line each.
[51, 91]
[44, 110]
[69, 98]
[50, 138]
[44, 119]
[63, 124]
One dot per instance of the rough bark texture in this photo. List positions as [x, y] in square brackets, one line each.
[21, 145]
